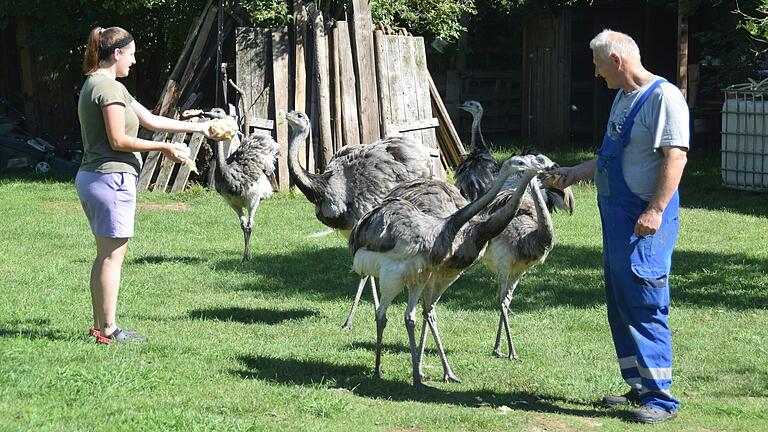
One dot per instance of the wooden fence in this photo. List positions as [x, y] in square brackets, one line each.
[356, 84]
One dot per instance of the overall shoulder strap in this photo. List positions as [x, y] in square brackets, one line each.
[641, 100]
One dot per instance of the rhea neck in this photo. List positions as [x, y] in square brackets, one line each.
[456, 221]
[311, 185]
[477, 141]
[498, 221]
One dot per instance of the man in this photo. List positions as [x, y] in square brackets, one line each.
[636, 172]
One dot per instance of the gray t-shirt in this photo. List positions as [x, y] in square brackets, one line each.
[661, 122]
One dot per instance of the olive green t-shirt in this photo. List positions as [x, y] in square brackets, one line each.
[99, 91]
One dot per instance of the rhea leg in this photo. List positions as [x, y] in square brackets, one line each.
[422, 346]
[348, 323]
[247, 224]
[391, 286]
[431, 317]
[506, 290]
[410, 324]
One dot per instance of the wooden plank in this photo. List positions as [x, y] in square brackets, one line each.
[261, 123]
[682, 53]
[253, 58]
[197, 50]
[420, 105]
[300, 72]
[166, 168]
[314, 136]
[416, 125]
[323, 91]
[148, 167]
[242, 77]
[382, 77]
[208, 57]
[336, 114]
[280, 83]
[438, 108]
[395, 80]
[348, 89]
[180, 182]
[367, 95]
[169, 91]
[26, 63]
[423, 100]
[408, 82]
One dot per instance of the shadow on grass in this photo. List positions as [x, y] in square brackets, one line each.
[159, 259]
[31, 329]
[359, 381]
[572, 276]
[28, 175]
[252, 316]
[392, 348]
[701, 187]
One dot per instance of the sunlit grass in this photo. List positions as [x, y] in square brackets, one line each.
[261, 348]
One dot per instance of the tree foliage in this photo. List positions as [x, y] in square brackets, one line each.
[440, 19]
[754, 19]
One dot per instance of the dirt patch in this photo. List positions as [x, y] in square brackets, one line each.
[549, 423]
[163, 207]
[63, 206]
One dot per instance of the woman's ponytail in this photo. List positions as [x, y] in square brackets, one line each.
[91, 57]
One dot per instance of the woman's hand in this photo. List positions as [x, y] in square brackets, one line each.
[176, 152]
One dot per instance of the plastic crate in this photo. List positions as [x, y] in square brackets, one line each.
[744, 140]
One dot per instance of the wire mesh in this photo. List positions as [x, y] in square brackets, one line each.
[744, 140]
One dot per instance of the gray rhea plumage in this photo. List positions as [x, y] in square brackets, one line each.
[415, 244]
[358, 177]
[478, 169]
[524, 243]
[241, 179]
[355, 180]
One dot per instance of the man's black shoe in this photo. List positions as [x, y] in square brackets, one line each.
[649, 414]
[631, 397]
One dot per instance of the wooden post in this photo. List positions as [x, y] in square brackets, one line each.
[280, 85]
[253, 60]
[682, 51]
[169, 93]
[166, 168]
[195, 56]
[23, 31]
[150, 163]
[451, 137]
[365, 68]
[323, 92]
[300, 71]
[350, 121]
[336, 116]
[183, 175]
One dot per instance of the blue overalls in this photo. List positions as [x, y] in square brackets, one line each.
[636, 274]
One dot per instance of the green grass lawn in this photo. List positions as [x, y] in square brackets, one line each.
[261, 348]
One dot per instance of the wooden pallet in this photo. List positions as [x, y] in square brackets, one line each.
[160, 174]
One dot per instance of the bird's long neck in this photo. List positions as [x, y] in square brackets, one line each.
[311, 185]
[477, 141]
[221, 159]
[545, 230]
[456, 221]
[494, 224]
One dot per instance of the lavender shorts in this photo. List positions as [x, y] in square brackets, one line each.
[109, 202]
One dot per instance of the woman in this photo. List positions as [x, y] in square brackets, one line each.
[106, 182]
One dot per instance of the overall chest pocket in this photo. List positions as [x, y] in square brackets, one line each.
[602, 183]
